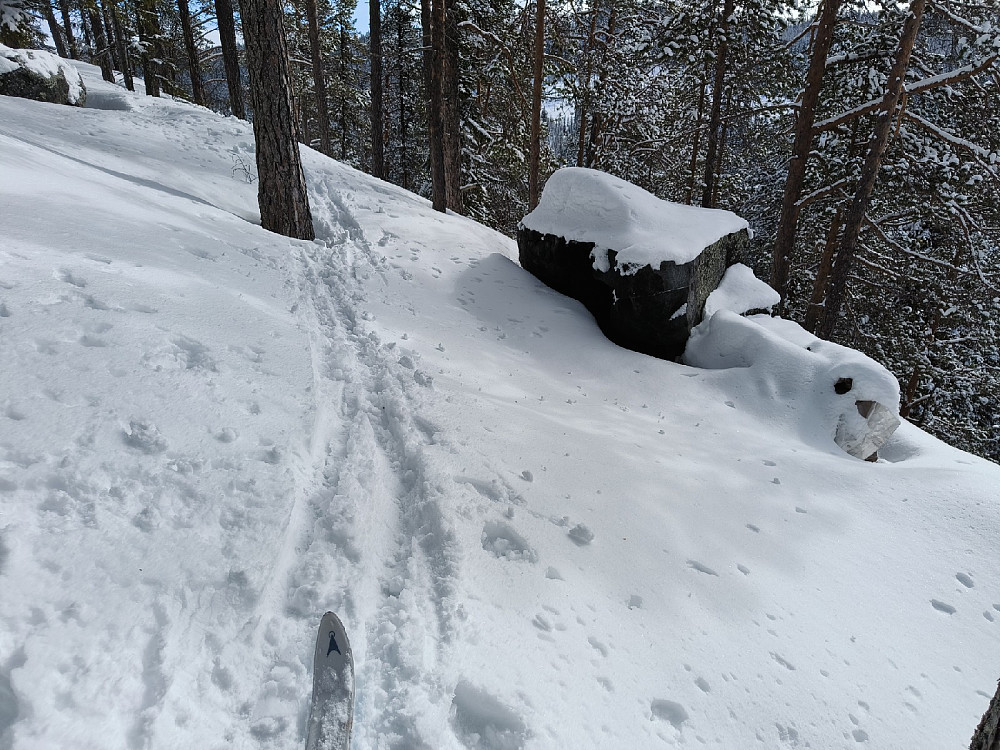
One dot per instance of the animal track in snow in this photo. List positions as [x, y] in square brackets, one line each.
[702, 568]
[965, 579]
[581, 535]
[782, 661]
[67, 276]
[943, 607]
[481, 718]
[671, 711]
[500, 539]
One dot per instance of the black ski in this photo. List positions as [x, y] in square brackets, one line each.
[332, 714]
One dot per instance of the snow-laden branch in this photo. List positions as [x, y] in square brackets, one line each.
[918, 87]
[981, 155]
[491, 37]
[907, 252]
[954, 18]
[822, 192]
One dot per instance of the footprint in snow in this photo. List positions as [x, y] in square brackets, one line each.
[68, 277]
[503, 541]
[581, 535]
[702, 568]
[671, 711]
[479, 715]
[965, 580]
[943, 607]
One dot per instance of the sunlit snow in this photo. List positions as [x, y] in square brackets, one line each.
[210, 434]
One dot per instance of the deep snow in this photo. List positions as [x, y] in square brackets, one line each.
[210, 434]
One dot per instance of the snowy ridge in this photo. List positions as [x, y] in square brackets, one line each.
[210, 434]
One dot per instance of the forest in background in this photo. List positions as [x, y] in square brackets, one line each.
[861, 140]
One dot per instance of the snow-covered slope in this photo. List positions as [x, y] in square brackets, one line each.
[210, 434]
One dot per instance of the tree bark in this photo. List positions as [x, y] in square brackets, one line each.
[715, 118]
[147, 33]
[814, 314]
[581, 146]
[88, 38]
[696, 140]
[837, 288]
[122, 47]
[534, 152]
[112, 38]
[55, 31]
[451, 117]
[319, 79]
[401, 77]
[67, 26]
[987, 736]
[281, 184]
[226, 21]
[432, 84]
[101, 51]
[378, 128]
[342, 123]
[788, 221]
[194, 65]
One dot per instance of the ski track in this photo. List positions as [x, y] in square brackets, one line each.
[366, 535]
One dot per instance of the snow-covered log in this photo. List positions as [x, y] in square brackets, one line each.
[642, 266]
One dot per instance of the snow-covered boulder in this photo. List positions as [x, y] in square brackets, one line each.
[828, 390]
[642, 266]
[42, 76]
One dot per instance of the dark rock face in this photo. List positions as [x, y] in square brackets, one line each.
[29, 84]
[644, 311]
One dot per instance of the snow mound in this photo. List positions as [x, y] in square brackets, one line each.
[739, 292]
[585, 205]
[834, 392]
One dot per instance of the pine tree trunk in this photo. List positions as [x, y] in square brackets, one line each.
[987, 736]
[194, 65]
[788, 222]
[715, 118]
[226, 21]
[147, 33]
[122, 47]
[88, 38]
[74, 52]
[404, 153]
[55, 31]
[378, 128]
[319, 79]
[588, 47]
[281, 185]
[534, 153]
[696, 141]
[814, 314]
[101, 51]
[594, 151]
[112, 39]
[342, 123]
[451, 117]
[432, 85]
[837, 288]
